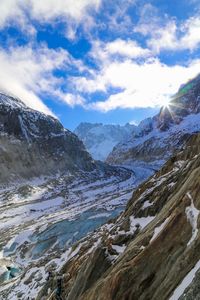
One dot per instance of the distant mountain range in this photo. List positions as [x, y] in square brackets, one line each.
[100, 139]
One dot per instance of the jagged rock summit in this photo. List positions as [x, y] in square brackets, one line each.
[34, 144]
[184, 103]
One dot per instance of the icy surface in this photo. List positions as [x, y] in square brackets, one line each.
[147, 204]
[40, 220]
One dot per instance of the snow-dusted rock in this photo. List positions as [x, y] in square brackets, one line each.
[32, 143]
[100, 139]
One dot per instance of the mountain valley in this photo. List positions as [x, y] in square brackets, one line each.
[126, 228]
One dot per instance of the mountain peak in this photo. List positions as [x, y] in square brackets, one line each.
[185, 102]
[11, 101]
[100, 139]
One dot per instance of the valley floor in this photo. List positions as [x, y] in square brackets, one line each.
[42, 219]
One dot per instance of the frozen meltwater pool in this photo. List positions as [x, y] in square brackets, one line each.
[8, 270]
[67, 232]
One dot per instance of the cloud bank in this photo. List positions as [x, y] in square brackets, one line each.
[127, 67]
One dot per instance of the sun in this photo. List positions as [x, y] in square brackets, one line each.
[166, 102]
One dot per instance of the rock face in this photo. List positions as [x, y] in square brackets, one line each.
[160, 136]
[152, 250]
[100, 139]
[32, 144]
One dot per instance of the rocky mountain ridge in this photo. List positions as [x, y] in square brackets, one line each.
[34, 144]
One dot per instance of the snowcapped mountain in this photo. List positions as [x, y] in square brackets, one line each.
[160, 136]
[33, 144]
[45, 223]
[100, 139]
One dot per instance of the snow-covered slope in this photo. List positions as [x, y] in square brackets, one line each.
[163, 134]
[41, 219]
[100, 139]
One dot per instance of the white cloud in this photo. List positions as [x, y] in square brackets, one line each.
[171, 35]
[10, 9]
[164, 38]
[164, 32]
[104, 53]
[116, 16]
[191, 38]
[22, 12]
[149, 20]
[127, 48]
[51, 9]
[72, 99]
[27, 73]
[142, 85]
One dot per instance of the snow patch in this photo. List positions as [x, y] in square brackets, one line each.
[185, 283]
[147, 204]
[192, 214]
[142, 222]
[119, 249]
[158, 229]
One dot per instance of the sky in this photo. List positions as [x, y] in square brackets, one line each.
[109, 61]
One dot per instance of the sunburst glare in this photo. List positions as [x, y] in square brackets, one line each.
[166, 102]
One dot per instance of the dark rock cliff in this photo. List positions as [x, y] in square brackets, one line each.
[34, 144]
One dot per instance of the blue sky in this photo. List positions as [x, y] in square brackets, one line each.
[109, 61]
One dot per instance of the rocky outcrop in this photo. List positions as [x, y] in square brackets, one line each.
[33, 144]
[163, 134]
[152, 248]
